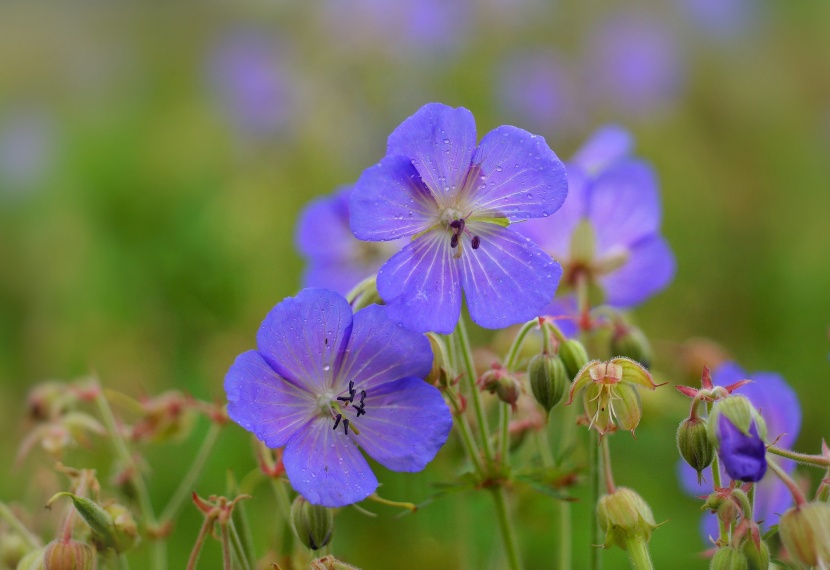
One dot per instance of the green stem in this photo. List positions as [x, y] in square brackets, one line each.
[236, 543]
[14, 522]
[284, 507]
[595, 483]
[463, 426]
[563, 532]
[504, 439]
[226, 548]
[723, 537]
[142, 494]
[200, 542]
[606, 465]
[513, 351]
[638, 554]
[820, 461]
[793, 487]
[508, 533]
[475, 396]
[186, 486]
[751, 498]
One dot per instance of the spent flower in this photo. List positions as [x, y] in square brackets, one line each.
[324, 382]
[455, 200]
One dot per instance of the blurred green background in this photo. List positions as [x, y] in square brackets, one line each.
[154, 158]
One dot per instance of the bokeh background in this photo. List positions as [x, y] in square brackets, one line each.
[154, 158]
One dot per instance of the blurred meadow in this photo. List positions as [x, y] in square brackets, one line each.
[154, 159]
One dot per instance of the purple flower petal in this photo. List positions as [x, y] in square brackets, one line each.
[382, 351]
[439, 141]
[606, 147]
[649, 268]
[303, 337]
[406, 423]
[508, 279]
[553, 234]
[743, 455]
[421, 286]
[390, 201]
[265, 404]
[323, 227]
[326, 467]
[564, 309]
[523, 178]
[624, 206]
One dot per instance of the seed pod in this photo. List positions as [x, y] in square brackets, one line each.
[313, 524]
[548, 380]
[574, 356]
[69, 555]
[630, 341]
[624, 515]
[694, 444]
[757, 559]
[805, 532]
[729, 558]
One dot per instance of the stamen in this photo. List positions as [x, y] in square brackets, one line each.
[476, 242]
[346, 426]
[454, 241]
[337, 419]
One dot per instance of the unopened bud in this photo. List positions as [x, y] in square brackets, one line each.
[630, 341]
[574, 356]
[737, 430]
[32, 561]
[757, 559]
[105, 533]
[503, 385]
[805, 532]
[548, 380]
[69, 555]
[729, 558]
[12, 549]
[694, 444]
[624, 515]
[313, 524]
[740, 413]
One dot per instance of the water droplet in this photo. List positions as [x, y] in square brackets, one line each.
[529, 196]
[446, 141]
[499, 169]
[326, 368]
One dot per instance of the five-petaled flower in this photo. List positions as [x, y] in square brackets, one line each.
[323, 382]
[455, 199]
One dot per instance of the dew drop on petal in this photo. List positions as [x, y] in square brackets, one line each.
[326, 368]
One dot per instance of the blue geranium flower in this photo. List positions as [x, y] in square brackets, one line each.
[336, 259]
[744, 455]
[455, 199]
[608, 231]
[324, 382]
[778, 404]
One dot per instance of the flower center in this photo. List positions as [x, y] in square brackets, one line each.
[456, 224]
[337, 413]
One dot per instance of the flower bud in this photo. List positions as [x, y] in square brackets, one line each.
[729, 558]
[105, 532]
[12, 549]
[574, 356]
[503, 385]
[32, 561]
[805, 532]
[548, 380]
[69, 555]
[757, 559]
[313, 524]
[630, 341]
[624, 515]
[694, 444]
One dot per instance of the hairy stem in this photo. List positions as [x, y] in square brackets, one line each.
[513, 351]
[820, 461]
[638, 554]
[792, 486]
[475, 396]
[508, 533]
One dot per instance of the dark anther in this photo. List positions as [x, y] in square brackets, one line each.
[350, 397]
[476, 242]
[337, 419]
[457, 225]
[454, 241]
[362, 396]
[361, 411]
[346, 426]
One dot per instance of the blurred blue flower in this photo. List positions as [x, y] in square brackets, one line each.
[634, 64]
[538, 88]
[249, 75]
[720, 19]
[608, 230]
[454, 199]
[335, 258]
[324, 382]
[27, 149]
[778, 404]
